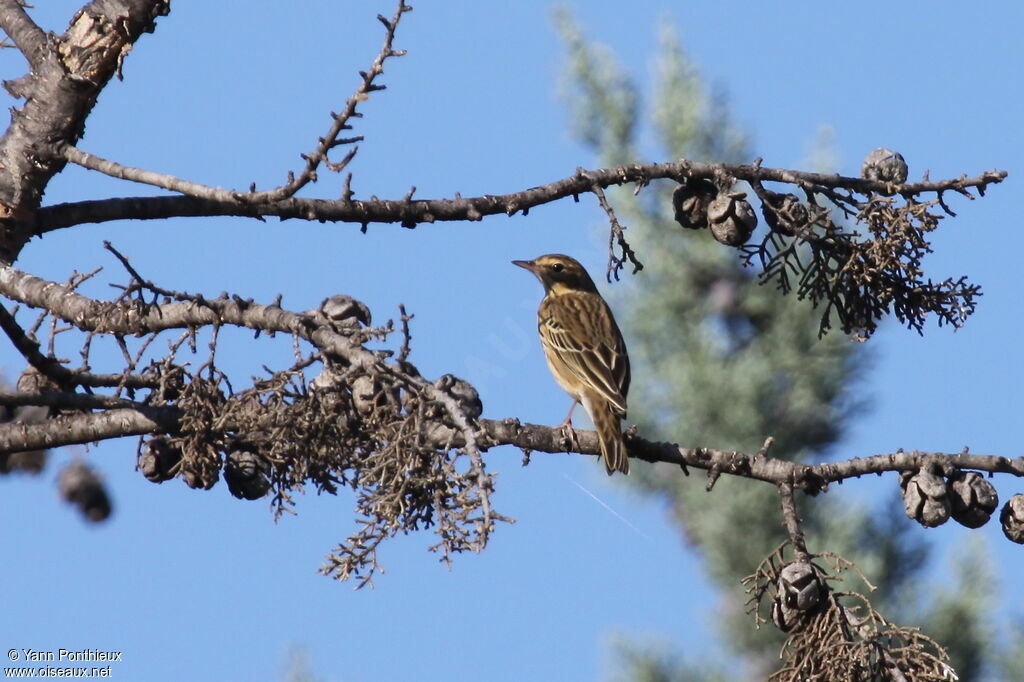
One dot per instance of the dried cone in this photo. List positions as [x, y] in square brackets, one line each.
[202, 477]
[368, 396]
[1012, 519]
[463, 392]
[974, 499]
[800, 592]
[884, 165]
[172, 384]
[246, 473]
[364, 394]
[690, 201]
[158, 460]
[784, 213]
[731, 218]
[79, 485]
[199, 481]
[28, 461]
[345, 311]
[32, 461]
[925, 498]
[33, 381]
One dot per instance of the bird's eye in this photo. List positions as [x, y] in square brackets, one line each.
[558, 267]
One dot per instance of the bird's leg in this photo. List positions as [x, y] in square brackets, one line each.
[570, 433]
[568, 417]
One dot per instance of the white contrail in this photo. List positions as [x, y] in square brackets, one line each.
[601, 502]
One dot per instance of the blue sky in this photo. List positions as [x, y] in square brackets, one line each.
[197, 585]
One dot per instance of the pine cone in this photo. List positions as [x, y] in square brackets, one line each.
[690, 201]
[79, 485]
[884, 165]
[344, 311]
[784, 213]
[246, 472]
[158, 460]
[925, 498]
[800, 592]
[731, 218]
[974, 499]
[1012, 519]
[463, 392]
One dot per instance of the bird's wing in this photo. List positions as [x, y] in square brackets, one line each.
[580, 329]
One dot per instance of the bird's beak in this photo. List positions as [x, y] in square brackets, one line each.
[526, 265]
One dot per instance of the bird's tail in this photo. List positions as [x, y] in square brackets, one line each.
[609, 435]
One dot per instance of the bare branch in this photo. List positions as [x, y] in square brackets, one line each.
[27, 36]
[59, 94]
[194, 311]
[30, 349]
[551, 439]
[792, 522]
[616, 237]
[86, 428]
[73, 401]
[169, 182]
[810, 479]
[295, 183]
[855, 278]
[414, 212]
[341, 121]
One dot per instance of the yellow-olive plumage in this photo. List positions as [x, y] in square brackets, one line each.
[584, 349]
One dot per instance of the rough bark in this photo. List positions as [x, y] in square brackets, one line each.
[67, 74]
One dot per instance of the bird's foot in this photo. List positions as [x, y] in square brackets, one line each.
[571, 440]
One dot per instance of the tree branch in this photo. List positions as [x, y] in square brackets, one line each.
[294, 184]
[137, 420]
[168, 182]
[30, 349]
[27, 36]
[792, 522]
[87, 428]
[59, 93]
[90, 315]
[756, 466]
[341, 121]
[410, 213]
[192, 311]
[65, 400]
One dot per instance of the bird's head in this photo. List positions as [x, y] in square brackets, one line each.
[559, 273]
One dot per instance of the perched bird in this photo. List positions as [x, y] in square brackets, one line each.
[584, 350]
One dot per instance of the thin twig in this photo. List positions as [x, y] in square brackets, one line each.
[313, 160]
[616, 236]
[792, 522]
